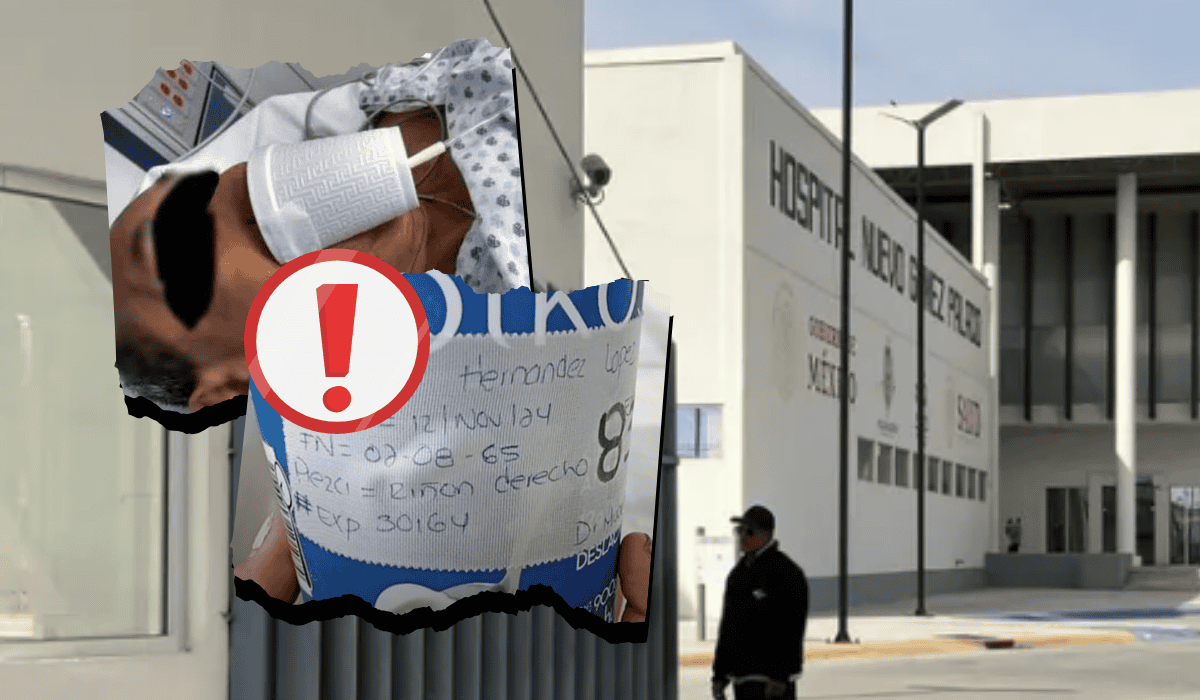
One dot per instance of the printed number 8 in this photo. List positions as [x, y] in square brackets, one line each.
[609, 444]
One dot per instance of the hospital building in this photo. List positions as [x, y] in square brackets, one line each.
[1062, 325]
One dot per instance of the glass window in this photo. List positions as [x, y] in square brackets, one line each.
[1143, 308]
[82, 488]
[983, 485]
[1012, 309]
[971, 484]
[685, 432]
[1093, 285]
[1066, 520]
[698, 431]
[866, 459]
[1012, 365]
[1048, 365]
[960, 481]
[885, 463]
[1049, 263]
[1174, 370]
[947, 478]
[901, 467]
[1077, 508]
[1185, 525]
[931, 478]
[1108, 505]
[1012, 269]
[1048, 334]
[1056, 520]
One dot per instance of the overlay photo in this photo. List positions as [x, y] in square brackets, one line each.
[222, 177]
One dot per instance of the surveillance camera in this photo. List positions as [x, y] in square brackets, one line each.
[597, 171]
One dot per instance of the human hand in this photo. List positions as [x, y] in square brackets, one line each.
[270, 565]
[718, 689]
[633, 569]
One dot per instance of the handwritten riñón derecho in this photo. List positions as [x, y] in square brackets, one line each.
[564, 368]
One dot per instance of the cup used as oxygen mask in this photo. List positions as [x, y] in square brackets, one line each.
[308, 196]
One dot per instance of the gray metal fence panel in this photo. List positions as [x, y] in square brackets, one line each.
[439, 663]
[251, 653]
[374, 663]
[585, 668]
[298, 655]
[543, 653]
[408, 665]
[495, 656]
[533, 655]
[468, 659]
[567, 638]
[520, 654]
[339, 659]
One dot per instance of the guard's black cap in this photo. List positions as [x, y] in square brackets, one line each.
[757, 517]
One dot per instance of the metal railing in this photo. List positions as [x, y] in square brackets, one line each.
[534, 655]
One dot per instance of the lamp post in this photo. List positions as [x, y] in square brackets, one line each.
[843, 634]
[922, 303]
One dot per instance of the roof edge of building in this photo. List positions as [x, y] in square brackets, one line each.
[668, 53]
[1042, 99]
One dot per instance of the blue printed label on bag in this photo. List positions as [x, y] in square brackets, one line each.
[506, 469]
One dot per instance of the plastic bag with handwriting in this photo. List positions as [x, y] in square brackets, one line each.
[505, 469]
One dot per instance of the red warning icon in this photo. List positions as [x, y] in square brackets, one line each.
[336, 302]
[337, 341]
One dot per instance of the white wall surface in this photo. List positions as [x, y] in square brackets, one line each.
[669, 130]
[687, 132]
[792, 458]
[63, 62]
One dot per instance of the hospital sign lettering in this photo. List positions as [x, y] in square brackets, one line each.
[802, 197]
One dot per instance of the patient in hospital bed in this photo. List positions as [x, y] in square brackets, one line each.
[188, 257]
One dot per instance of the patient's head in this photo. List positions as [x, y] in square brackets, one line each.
[157, 373]
[182, 288]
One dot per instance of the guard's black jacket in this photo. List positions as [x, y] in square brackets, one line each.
[763, 619]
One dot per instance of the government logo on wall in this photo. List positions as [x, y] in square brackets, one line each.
[784, 355]
[889, 390]
[889, 377]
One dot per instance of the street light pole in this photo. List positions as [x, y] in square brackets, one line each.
[843, 634]
[922, 301]
[922, 304]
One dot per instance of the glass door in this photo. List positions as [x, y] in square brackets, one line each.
[1145, 520]
[1143, 516]
[1185, 525]
[82, 484]
[114, 557]
[1066, 520]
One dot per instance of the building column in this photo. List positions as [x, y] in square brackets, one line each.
[979, 204]
[991, 271]
[985, 256]
[1125, 365]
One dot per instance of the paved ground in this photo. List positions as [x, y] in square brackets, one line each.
[1119, 644]
[1139, 671]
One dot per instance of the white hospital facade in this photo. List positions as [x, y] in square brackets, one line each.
[1062, 337]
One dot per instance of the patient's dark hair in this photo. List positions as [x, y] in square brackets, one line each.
[157, 373]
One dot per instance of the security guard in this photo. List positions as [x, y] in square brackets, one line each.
[760, 647]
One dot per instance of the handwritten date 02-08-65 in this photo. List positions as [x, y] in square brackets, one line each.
[423, 456]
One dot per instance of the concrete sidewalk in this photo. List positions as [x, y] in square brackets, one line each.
[981, 620]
